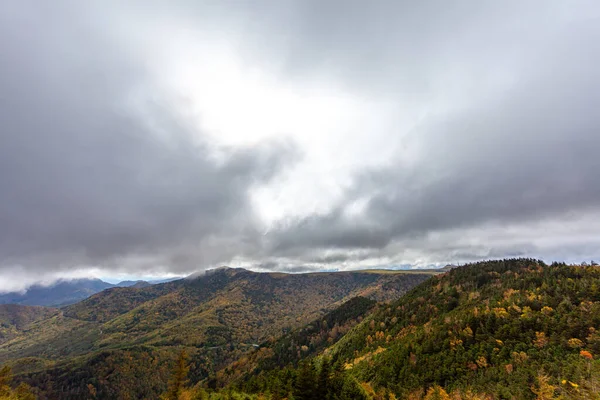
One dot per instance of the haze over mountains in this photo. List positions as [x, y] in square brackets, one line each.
[62, 292]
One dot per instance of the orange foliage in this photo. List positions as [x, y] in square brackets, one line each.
[586, 354]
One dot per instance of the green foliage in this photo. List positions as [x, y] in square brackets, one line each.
[491, 326]
[499, 329]
[305, 386]
[311, 380]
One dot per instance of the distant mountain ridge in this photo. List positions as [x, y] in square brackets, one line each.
[63, 292]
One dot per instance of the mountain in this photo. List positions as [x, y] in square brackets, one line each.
[155, 281]
[58, 294]
[63, 292]
[507, 329]
[122, 341]
[135, 284]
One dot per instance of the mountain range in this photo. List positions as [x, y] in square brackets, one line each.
[505, 329]
[63, 292]
[123, 339]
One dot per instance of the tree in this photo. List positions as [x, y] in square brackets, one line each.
[323, 382]
[544, 390]
[351, 390]
[178, 378]
[437, 393]
[305, 387]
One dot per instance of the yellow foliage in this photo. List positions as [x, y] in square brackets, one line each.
[368, 389]
[508, 293]
[540, 340]
[469, 395]
[455, 343]
[482, 362]
[527, 312]
[544, 390]
[519, 357]
[575, 343]
[437, 393]
[415, 395]
[547, 310]
[474, 295]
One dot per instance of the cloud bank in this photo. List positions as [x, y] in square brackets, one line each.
[168, 138]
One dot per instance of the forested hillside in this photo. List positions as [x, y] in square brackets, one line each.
[296, 346]
[510, 329]
[15, 318]
[121, 342]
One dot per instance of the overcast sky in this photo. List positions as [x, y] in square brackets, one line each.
[153, 138]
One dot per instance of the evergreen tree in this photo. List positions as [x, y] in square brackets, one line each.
[305, 387]
[323, 382]
[351, 390]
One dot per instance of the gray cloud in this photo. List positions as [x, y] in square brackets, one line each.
[528, 154]
[88, 179]
[100, 166]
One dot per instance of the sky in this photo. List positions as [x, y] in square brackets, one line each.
[155, 139]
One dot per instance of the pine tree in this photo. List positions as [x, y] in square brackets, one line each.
[323, 382]
[305, 387]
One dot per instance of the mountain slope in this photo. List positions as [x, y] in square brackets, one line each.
[510, 329]
[291, 348]
[494, 326]
[216, 317]
[16, 318]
